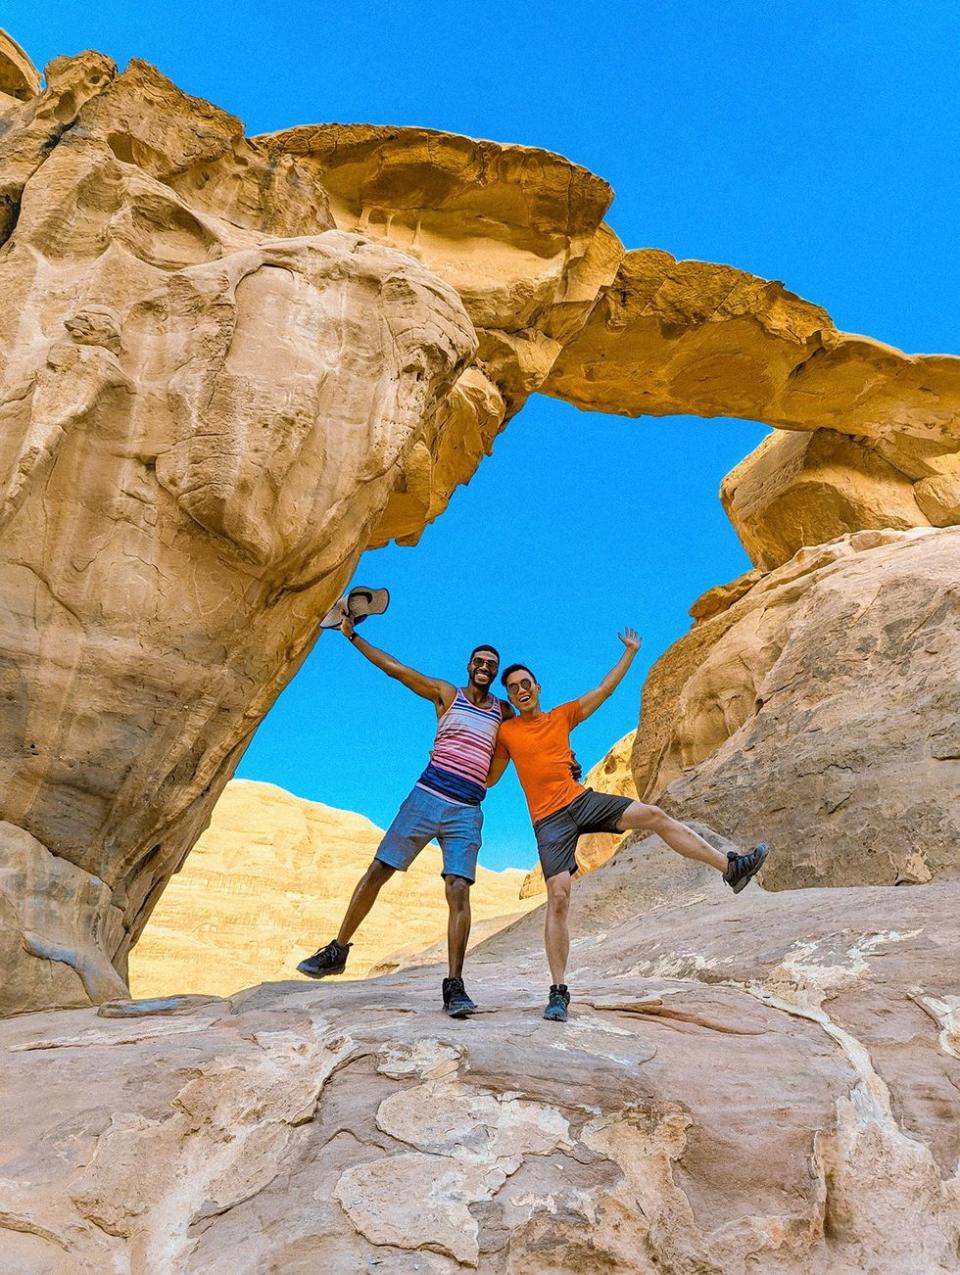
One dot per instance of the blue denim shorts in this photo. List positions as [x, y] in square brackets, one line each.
[421, 818]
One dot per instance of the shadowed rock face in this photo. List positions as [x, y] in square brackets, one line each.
[820, 710]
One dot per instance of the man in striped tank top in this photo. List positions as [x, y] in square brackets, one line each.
[444, 803]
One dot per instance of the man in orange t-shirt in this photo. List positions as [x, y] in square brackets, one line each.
[562, 810]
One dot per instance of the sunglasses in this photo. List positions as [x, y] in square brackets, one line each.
[524, 685]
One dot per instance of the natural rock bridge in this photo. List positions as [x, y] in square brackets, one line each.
[230, 365]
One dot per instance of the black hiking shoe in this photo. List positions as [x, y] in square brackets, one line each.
[331, 959]
[558, 1003]
[742, 867]
[456, 1002]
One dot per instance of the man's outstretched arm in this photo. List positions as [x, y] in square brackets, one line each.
[432, 688]
[590, 702]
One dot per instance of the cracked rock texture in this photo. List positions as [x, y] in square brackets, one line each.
[763, 1082]
[268, 882]
[819, 708]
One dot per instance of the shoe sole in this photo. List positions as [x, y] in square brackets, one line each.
[322, 974]
[745, 881]
[555, 1018]
[459, 1013]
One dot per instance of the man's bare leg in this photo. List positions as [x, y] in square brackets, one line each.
[458, 923]
[556, 933]
[363, 898]
[676, 834]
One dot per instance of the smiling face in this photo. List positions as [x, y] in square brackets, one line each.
[524, 691]
[482, 668]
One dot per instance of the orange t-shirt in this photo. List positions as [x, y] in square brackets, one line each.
[540, 750]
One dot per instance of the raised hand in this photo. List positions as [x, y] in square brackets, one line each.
[346, 626]
[630, 639]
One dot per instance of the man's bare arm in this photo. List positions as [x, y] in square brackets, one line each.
[497, 767]
[441, 693]
[590, 702]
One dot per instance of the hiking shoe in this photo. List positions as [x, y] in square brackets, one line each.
[331, 959]
[456, 1002]
[741, 867]
[558, 1003]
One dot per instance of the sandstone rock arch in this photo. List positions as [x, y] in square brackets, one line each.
[228, 365]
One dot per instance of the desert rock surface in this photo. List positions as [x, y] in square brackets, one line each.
[820, 710]
[762, 1082]
[267, 883]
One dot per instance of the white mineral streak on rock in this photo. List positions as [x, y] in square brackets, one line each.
[486, 1136]
[232, 1125]
[945, 1013]
[448, 1118]
[869, 1156]
[427, 1059]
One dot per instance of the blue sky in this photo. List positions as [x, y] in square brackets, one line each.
[813, 145]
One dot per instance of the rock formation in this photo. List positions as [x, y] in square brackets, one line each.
[821, 709]
[267, 883]
[228, 365]
[766, 1082]
[207, 396]
[691, 337]
[613, 773]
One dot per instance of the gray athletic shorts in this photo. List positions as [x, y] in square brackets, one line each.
[557, 835]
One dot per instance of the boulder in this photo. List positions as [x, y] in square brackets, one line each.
[820, 711]
[801, 489]
[751, 1082]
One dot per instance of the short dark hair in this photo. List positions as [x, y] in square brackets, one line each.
[485, 646]
[512, 668]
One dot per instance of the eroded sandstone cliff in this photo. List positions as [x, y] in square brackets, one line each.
[820, 710]
[229, 364]
[268, 882]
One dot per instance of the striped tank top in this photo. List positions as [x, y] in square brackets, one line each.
[462, 750]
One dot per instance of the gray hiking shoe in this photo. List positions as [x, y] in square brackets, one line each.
[456, 1002]
[557, 1004]
[741, 868]
[331, 959]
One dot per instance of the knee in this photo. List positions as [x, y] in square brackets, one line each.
[458, 892]
[558, 898]
[378, 873]
[652, 818]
